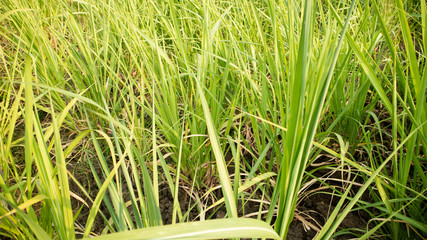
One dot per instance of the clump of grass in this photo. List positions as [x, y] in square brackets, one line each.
[181, 92]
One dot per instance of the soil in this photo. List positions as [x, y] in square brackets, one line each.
[310, 215]
[315, 210]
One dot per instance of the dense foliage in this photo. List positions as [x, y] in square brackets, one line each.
[106, 104]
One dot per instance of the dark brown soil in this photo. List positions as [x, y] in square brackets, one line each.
[314, 210]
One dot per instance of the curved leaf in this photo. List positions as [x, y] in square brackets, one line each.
[212, 229]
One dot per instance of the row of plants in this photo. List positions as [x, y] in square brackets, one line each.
[106, 104]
